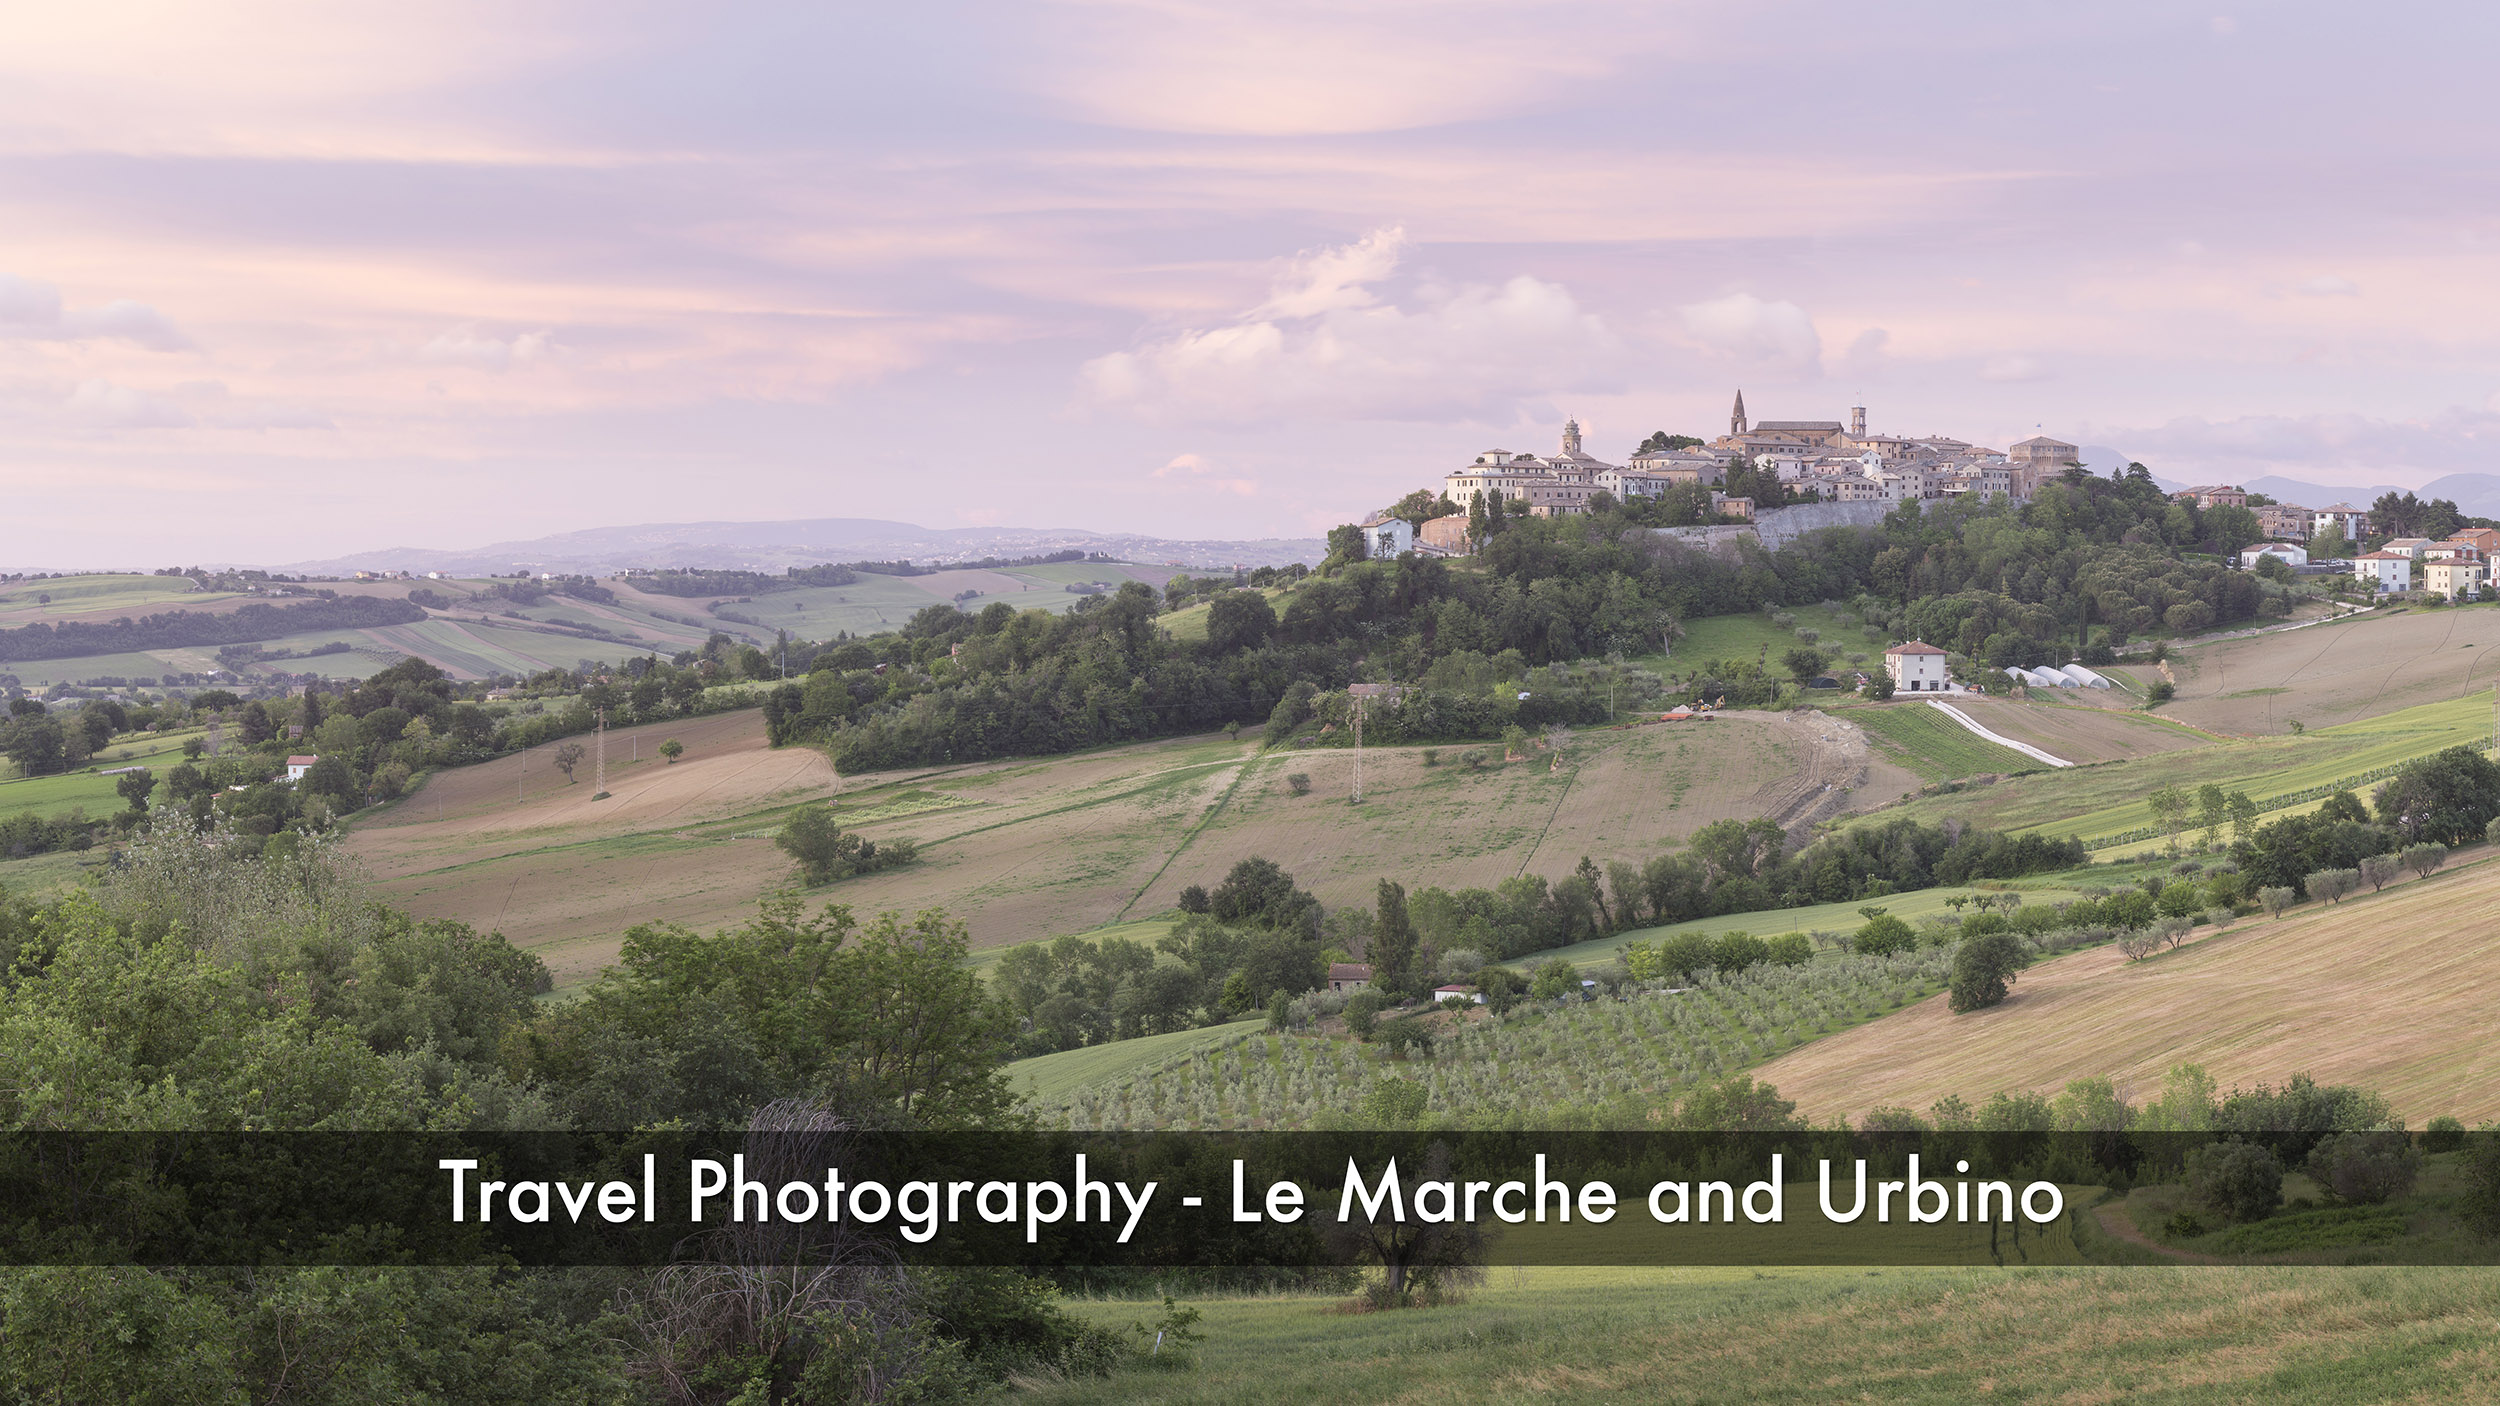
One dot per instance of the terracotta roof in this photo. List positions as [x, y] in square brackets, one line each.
[1349, 971]
[301, 761]
[1914, 647]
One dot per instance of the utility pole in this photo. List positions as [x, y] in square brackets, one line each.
[602, 784]
[1358, 749]
[520, 784]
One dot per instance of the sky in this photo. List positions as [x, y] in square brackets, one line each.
[285, 281]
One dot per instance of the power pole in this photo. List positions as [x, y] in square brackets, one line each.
[1358, 749]
[520, 784]
[602, 784]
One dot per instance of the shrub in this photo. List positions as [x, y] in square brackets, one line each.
[1407, 1034]
[2478, 1204]
[2445, 1134]
[2364, 1169]
[1299, 782]
[1194, 899]
[1432, 756]
[2160, 693]
[2237, 1181]
[1736, 951]
[1791, 949]
[1394, 1102]
[1362, 1014]
[1471, 759]
[2183, 1225]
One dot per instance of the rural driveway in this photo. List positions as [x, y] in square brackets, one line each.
[2000, 739]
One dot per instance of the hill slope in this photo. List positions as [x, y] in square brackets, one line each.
[2389, 991]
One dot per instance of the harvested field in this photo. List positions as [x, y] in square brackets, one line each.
[2389, 991]
[1034, 848]
[2079, 734]
[2337, 673]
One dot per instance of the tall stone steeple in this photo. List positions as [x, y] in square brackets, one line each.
[1736, 422]
[1571, 438]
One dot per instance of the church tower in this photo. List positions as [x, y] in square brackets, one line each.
[1857, 422]
[1736, 422]
[1571, 439]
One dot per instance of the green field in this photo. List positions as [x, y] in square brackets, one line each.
[78, 595]
[2156, 1334]
[53, 795]
[1822, 917]
[1052, 1075]
[1933, 746]
[2109, 798]
[1754, 636]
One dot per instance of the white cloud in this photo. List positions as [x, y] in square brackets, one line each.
[1749, 328]
[1327, 342]
[2327, 285]
[31, 309]
[465, 346]
[1195, 468]
[2006, 366]
[102, 403]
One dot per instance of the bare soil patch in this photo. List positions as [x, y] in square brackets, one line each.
[2078, 734]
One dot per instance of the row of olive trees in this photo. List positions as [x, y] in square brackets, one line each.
[2377, 870]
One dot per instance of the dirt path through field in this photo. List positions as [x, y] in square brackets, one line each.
[2113, 1218]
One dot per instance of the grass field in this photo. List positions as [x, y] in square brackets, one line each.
[2108, 799]
[1053, 1075]
[55, 794]
[1932, 746]
[2389, 991]
[1822, 917]
[2172, 1335]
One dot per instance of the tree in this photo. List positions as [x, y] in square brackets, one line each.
[2332, 884]
[2377, 869]
[2170, 811]
[1983, 967]
[2238, 1181]
[2213, 811]
[1418, 1259]
[1345, 546]
[2424, 859]
[1422, 506]
[825, 852]
[2448, 797]
[567, 757]
[1239, 620]
[1194, 899]
[134, 787]
[2276, 898]
[1884, 936]
[1879, 685]
[1804, 662]
[1393, 942]
[672, 749]
[2364, 1168]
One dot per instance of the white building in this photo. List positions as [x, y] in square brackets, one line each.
[1915, 667]
[297, 766]
[2387, 571]
[1385, 537]
[2287, 553]
[2354, 521]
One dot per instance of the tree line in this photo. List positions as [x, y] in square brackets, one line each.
[178, 629]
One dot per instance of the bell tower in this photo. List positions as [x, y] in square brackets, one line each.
[1857, 422]
[1571, 439]
[1736, 421]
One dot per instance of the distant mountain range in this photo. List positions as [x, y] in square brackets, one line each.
[774, 546]
[2476, 495]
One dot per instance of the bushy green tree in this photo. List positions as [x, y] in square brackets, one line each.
[2237, 1181]
[1983, 967]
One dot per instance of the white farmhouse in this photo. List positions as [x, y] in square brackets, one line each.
[2288, 553]
[1915, 667]
[297, 766]
[1384, 537]
[2387, 571]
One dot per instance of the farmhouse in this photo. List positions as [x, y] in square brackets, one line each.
[2388, 571]
[2284, 552]
[1464, 993]
[1915, 667]
[1349, 977]
[297, 766]
[1385, 537]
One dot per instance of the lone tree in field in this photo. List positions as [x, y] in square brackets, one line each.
[672, 749]
[825, 854]
[2377, 869]
[1983, 967]
[134, 787]
[568, 757]
[2276, 898]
